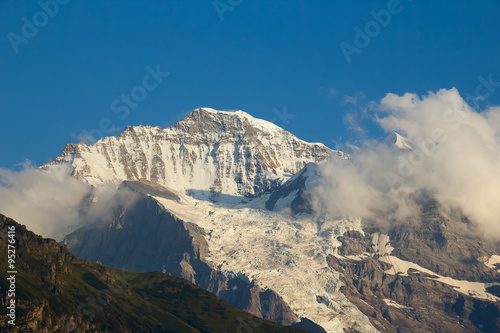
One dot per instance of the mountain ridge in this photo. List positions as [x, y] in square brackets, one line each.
[217, 151]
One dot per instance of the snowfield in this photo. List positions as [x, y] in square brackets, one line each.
[495, 259]
[278, 252]
[473, 289]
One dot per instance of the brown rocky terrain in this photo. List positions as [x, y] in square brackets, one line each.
[413, 303]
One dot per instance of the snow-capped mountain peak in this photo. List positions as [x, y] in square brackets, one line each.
[258, 123]
[209, 151]
[398, 141]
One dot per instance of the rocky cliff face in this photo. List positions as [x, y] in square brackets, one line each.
[445, 243]
[412, 302]
[294, 193]
[214, 151]
[427, 275]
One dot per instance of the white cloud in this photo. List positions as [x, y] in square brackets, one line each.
[44, 201]
[455, 158]
[350, 100]
[49, 202]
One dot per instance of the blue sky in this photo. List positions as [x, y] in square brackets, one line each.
[258, 56]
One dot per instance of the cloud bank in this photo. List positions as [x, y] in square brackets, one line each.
[53, 203]
[451, 152]
[46, 202]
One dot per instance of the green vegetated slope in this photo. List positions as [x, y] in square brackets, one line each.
[57, 292]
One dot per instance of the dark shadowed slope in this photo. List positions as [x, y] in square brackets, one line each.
[57, 292]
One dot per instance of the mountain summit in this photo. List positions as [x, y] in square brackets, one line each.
[208, 151]
[397, 140]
